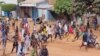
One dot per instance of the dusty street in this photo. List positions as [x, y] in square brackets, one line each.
[59, 48]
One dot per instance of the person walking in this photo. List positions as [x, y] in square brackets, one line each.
[95, 23]
[15, 43]
[88, 23]
[34, 44]
[77, 34]
[65, 30]
[27, 42]
[57, 32]
[49, 31]
[84, 40]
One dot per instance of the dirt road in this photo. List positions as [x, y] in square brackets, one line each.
[60, 48]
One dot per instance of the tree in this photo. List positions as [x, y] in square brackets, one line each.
[1, 2]
[82, 6]
[8, 7]
[20, 1]
[62, 6]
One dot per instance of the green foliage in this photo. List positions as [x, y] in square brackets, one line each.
[82, 6]
[62, 6]
[79, 7]
[1, 2]
[20, 1]
[8, 7]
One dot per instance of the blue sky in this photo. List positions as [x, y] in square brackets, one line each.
[10, 1]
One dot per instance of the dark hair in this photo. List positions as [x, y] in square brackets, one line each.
[50, 26]
[24, 34]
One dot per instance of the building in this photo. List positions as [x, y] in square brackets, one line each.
[35, 8]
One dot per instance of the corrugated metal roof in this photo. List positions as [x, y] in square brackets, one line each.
[32, 1]
[45, 6]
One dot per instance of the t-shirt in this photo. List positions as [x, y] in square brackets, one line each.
[70, 29]
[60, 25]
[57, 29]
[49, 30]
[36, 36]
[65, 28]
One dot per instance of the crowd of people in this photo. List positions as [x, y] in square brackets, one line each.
[23, 39]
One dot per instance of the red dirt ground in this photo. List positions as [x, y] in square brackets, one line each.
[60, 48]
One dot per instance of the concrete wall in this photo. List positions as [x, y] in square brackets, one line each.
[22, 11]
[34, 13]
[46, 14]
[14, 14]
[30, 12]
[42, 12]
[39, 12]
[50, 16]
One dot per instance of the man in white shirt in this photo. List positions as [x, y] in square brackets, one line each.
[66, 28]
[49, 31]
[60, 25]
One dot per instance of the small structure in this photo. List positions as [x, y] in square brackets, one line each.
[35, 8]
